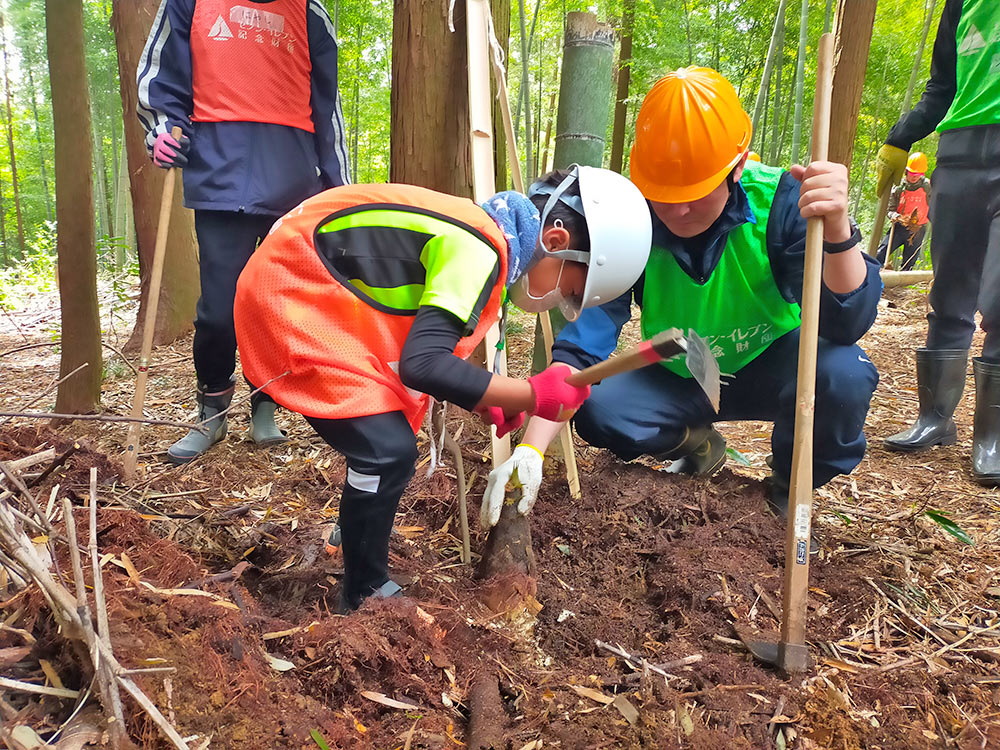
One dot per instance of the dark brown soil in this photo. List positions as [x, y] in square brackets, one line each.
[661, 566]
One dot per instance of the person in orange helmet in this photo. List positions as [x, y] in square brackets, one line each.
[726, 262]
[909, 205]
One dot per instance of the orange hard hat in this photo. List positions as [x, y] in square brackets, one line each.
[753, 156]
[916, 163]
[690, 133]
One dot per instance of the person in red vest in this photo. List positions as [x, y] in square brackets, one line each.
[366, 299]
[253, 86]
[908, 212]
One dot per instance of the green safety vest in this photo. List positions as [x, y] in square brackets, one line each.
[398, 259]
[739, 309]
[977, 72]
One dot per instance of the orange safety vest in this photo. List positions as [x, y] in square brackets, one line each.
[340, 349]
[914, 200]
[250, 62]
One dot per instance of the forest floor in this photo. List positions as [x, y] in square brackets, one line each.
[903, 621]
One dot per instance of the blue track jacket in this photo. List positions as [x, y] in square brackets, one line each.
[251, 167]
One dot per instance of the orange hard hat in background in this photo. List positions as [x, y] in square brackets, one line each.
[916, 163]
[753, 156]
[690, 132]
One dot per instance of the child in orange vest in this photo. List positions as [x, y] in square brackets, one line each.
[365, 300]
[908, 211]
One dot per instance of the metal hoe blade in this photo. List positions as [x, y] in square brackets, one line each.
[702, 365]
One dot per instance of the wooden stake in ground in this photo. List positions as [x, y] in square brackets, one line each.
[566, 433]
[793, 654]
[149, 324]
[478, 23]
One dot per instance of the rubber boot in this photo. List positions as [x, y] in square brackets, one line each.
[263, 430]
[388, 590]
[195, 443]
[777, 503]
[940, 382]
[701, 453]
[986, 426]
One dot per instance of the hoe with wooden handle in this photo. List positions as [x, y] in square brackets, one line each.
[791, 653]
[149, 322]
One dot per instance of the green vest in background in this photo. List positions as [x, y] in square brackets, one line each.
[739, 310]
[977, 74]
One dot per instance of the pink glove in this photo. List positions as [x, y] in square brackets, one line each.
[555, 399]
[168, 152]
[494, 415]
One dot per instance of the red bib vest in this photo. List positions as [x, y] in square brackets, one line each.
[250, 62]
[914, 200]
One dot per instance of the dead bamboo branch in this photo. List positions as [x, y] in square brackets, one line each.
[100, 418]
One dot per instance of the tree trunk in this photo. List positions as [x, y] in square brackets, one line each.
[100, 176]
[826, 18]
[180, 286]
[3, 226]
[123, 212]
[10, 138]
[525, 91]
[543, 168]
[765, 78]
[918, 58]
[687, 31]
[28, 63]
[779, 65]
[356, 114]
[429, 132]
[855, 22]
[624, 79]
[81, 324]
[800, 80]
[501, 27]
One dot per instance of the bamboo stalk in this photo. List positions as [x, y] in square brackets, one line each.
[793, 654]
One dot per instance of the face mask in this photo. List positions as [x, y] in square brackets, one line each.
[520, 294]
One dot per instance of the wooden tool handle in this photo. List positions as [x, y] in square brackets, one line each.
[792, 646]
[149, 321]
[662, 346]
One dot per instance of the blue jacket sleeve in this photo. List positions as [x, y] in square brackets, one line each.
[843, 318]
[327, 115]
[164, 74]
[593, 336]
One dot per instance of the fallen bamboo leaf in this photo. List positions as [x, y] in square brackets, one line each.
[26, 738]
[279, 665]
[594, 695]
[385, 700]
[225, 604]
[950, 526]
[50, 672]
[626, 709]
[85, 729]
[843, 666]
[133, 574]
[318, 739]
[685, 720]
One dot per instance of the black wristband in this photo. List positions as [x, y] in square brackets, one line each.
[842, 247]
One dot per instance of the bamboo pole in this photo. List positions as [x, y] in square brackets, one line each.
[149, 323]
[793, 654]
[566, 433]
[478, 24]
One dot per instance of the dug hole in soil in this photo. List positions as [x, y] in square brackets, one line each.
[664, 567]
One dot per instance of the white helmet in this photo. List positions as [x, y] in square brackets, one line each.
[620, 230]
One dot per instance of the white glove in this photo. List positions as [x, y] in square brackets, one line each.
[523, 469]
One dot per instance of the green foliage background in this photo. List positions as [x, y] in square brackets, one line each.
[731, 35]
